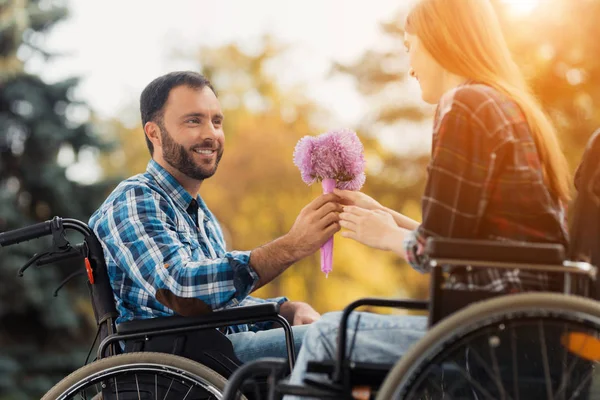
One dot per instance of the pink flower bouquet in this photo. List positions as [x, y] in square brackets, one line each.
[335, 159]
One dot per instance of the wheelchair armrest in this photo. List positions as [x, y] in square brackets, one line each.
[230, 316]
[495, 251]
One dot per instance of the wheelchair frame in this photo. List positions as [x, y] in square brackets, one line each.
[443, 254]
[101, 294]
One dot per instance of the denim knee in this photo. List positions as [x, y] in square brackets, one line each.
[320, 338]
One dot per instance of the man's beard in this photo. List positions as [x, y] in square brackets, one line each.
[181, 159]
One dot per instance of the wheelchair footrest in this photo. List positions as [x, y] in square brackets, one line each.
[284, 387]
[361, 373]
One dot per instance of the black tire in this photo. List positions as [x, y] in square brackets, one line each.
[183, 369]
[470, 319]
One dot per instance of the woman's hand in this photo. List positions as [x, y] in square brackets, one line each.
[358, 199]
[374, 228]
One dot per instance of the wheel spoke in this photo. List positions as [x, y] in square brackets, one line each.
[467, 376]
[494, 375]
[582, 384]
[137, 385]
[515, 365]
[188, 392]
[497, 378]
[545, 360]
[169, 389]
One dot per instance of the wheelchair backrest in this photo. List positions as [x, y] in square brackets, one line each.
[101, 294]
[584, 246]
[585, 222]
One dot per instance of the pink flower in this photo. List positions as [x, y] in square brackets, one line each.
[337, 154]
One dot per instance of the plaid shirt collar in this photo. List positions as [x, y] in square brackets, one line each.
[170, 185]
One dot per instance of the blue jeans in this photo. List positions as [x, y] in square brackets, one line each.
[379, 339]
[249, 346]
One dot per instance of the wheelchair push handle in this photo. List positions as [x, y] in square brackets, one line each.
[27, 233]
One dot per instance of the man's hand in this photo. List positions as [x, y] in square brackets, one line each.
[315, 224]
[298, 313]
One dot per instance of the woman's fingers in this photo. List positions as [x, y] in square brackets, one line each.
[345, 216]
[347, 224]
[355, 210]
[349, 235]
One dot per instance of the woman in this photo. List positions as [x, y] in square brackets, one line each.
[496, 172]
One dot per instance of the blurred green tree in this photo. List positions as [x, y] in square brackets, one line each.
[41, 338]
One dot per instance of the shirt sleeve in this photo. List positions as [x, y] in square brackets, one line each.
[466, 156]
[140, 234]
[250, 301]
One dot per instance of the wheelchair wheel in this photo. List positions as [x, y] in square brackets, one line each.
[140, 376]
[521, 346]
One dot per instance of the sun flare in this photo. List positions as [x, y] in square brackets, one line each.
[521, 7]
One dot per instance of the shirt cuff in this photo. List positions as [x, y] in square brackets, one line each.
[266, 325]
[278, 300]
[413, 252]
[245, 277]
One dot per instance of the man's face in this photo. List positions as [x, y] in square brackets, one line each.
[192, 132]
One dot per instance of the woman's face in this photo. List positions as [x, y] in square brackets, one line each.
[424, 69]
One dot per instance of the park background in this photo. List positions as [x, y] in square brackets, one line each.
[70, 77]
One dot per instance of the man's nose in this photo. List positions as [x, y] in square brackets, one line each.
[209, 131]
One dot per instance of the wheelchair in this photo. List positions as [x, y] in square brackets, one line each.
[139, 359]
[482, 344]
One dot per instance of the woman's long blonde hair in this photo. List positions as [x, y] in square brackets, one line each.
[465, 38]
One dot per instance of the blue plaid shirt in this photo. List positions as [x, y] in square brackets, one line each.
[153, 242]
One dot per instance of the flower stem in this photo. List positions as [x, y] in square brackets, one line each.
[327, 248]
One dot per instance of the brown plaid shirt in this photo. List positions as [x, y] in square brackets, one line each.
[485, 182]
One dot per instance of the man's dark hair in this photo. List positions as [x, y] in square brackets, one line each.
[155, 95]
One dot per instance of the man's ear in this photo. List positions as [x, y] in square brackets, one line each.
[152, 131]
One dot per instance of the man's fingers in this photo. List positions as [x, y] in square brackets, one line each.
[328, 208]
[323, 199]
[331, 229]
[329, 219]
[342, 193]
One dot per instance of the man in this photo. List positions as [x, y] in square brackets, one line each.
[164, 248]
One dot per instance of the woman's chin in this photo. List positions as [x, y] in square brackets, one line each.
[428, 97]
